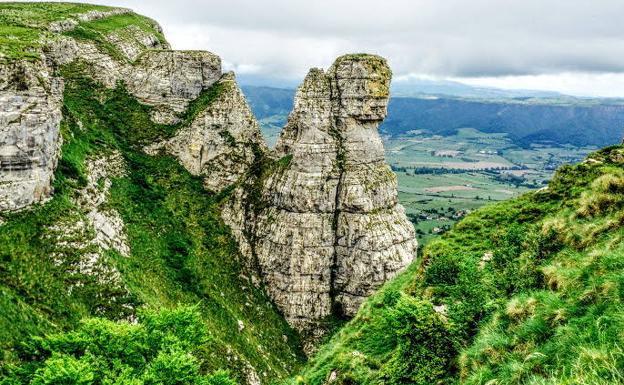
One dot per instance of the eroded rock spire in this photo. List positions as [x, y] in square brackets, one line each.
[330, 230]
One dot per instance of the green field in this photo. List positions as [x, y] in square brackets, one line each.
[442, 178]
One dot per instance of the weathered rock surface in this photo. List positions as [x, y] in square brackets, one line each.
[132, 41]
[165, 79]
[169, 80]
[220, 142]
[79, 241]
[329, 229]
[31, 98]
[108, 225]
[30, 116]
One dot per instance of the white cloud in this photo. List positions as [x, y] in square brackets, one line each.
[571, 83]
[545, 43]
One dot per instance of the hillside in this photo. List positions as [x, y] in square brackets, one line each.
[533, 121]
[527, 291]
[118, 231]
[556, 120]
[149, 236]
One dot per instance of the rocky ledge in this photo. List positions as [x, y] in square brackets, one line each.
[216, 143]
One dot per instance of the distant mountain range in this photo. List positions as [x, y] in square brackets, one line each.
[417, 87]
[442, 107]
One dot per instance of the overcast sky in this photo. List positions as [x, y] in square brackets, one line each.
[571, 46]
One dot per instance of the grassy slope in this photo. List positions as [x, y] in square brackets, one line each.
[182, 253]
[24, 27]
[544, 306]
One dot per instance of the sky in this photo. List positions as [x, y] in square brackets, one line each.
[571, 46]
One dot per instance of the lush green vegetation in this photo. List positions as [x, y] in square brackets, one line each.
[527, 291]
[24, 27]
[182, 253]
[98, 30]
[164, 347]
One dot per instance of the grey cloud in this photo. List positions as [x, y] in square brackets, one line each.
[282, 38]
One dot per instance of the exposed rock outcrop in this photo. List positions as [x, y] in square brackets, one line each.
[30, 116]
[31, 100]
[328, 229]
[169, 80]
[220, 143]
[79, 240]
[165, 79]
[108, 225]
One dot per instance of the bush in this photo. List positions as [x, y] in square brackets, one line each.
[159, 350]
[425, 346]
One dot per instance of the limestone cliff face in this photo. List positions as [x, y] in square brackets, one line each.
[220, 143]
[217, 143]
[30, 116]
[329, 229]
[169, 80]
[165, 79]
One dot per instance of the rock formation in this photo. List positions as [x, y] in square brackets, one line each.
[220, 142]
[217, 143]
[169, 80]
[30, 116]
[317, 219]
[328, 229]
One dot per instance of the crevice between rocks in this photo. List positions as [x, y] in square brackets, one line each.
[340, 164]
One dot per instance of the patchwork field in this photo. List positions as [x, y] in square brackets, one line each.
[442, 178]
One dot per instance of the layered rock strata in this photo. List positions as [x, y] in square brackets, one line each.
[169, 80]
[166, 79]
[329, 229]
[30, 116]
[215, 143]
[221, 142]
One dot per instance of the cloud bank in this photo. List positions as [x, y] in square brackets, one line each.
[502, 42]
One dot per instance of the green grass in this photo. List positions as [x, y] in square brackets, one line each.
[24, 27]
[98, 30]
[527, 291]
[182, 253]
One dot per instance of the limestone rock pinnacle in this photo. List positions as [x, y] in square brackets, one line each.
[330, 230]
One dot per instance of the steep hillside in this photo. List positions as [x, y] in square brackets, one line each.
[527, 291]
[114, 230]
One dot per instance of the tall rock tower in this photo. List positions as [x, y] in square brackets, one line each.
[329, 230]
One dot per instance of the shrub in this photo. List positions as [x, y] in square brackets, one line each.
[425, 346]
[158, 350]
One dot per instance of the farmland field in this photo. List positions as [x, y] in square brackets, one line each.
[442, 178]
